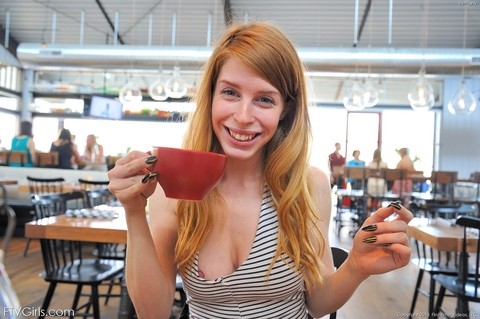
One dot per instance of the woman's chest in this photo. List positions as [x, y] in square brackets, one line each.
[230, 241]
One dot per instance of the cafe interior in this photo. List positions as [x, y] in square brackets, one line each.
[385, 75]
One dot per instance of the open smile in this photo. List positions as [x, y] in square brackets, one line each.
[241, 137]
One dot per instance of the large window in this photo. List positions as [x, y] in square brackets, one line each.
[388, 129]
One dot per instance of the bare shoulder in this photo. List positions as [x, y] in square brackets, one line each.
[319, 178]
[321, 191]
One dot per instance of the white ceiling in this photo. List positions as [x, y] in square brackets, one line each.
[413, 24]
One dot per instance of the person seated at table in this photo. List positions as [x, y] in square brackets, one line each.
[23, 142]
[93, 155]
[376, 185]
[257, 243]
[356, 162]
[68, 154]
[405, 163]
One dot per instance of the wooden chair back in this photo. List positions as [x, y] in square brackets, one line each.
[19, 157]
[443, 183]
[356, 172]
[3, 158]
[49, 159]
[393, 174]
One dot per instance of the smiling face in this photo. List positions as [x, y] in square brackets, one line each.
[246, 110]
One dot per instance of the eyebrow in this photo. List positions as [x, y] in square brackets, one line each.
[227, 82]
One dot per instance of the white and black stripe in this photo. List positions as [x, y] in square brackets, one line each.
[247, 292]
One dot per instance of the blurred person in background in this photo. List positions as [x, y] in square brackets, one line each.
[93, 155]
[23, 142]
[67, 151]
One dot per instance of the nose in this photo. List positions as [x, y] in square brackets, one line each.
[244, 112]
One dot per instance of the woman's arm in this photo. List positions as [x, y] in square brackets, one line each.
[378, 247]
[32, 150]
[99, 159]
[150, 266]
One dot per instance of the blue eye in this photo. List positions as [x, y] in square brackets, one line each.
[266, 100]
[229, 92]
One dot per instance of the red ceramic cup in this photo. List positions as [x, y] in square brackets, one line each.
[187, 174]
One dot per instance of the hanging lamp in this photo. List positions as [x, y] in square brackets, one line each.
[463, 102]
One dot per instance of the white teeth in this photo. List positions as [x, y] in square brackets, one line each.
[241, 137]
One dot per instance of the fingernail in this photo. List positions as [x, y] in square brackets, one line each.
[370, 240]
[395, 205]
[150, 160]
[145, 178]
[149, 177]
[370, 228]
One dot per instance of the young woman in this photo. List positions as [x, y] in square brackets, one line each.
[67, 150]
[24, 142]
[93, 155]
[257, 246]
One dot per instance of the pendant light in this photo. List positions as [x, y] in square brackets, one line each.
[353, 99]
[156, 90]
[130, 93]
[371, 96]
[421, 96]
[463, 102]
[175, 86]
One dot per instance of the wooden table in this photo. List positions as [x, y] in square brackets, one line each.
[87, 230]
[439, 235]
[81, 229]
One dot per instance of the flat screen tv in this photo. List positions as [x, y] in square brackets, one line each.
[105, 107]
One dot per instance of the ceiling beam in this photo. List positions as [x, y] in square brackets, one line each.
[105, 14]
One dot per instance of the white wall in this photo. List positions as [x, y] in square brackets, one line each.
[459, 149]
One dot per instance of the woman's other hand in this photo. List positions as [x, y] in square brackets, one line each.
[380, 245]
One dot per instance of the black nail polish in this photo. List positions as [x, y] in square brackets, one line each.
[370, 228]
[145, 178]
[150, 160]
[152, 176]
[370, 240]
[395, 205]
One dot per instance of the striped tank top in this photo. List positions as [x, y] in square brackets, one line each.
[247, 292]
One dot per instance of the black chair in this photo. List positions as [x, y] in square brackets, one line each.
[71, 262]
[38, 185]
[433, 262]
[65, 262]
[466, 284]
[339, 256]
[49, 205]
[97, 192]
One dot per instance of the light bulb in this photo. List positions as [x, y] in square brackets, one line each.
[175, 87]
[130, 93]
[463, 102]
[353, 98]
[421, 96]
[370, 94]
[156, 90]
